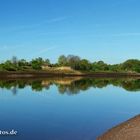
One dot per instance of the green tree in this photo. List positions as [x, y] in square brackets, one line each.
[47, 62]
[22, 62]
[62, 60]
[37, 63]
[100, 66]
[131, 65]
[73, 61]
[84, 65]
[9, 66]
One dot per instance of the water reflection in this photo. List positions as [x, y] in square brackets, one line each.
[70, 85]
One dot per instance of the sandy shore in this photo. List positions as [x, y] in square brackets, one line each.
[129, 130]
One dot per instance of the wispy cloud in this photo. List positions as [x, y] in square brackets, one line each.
[34, 25]
[126, 34]
[4, 47]
[53, 20]
[21, 52]
[56, 19]
[122, 2]
[43, 51]
[9, 47]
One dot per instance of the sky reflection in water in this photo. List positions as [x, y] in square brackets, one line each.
[65, 109]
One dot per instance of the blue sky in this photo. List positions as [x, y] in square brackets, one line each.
[94, 29]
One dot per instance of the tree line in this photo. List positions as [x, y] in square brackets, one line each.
[75, 62]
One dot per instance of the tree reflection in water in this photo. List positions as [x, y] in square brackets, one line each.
[70, 85]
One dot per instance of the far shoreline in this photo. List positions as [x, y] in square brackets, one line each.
[45, 74]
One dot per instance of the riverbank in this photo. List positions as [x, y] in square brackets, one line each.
[128, 130]
[43, 74]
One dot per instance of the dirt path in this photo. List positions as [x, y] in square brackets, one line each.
[129, 130]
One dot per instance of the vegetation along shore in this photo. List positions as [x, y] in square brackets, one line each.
[70, 65]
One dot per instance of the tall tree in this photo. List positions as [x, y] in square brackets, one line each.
[37, 63]
[14, 60]
[62, 60]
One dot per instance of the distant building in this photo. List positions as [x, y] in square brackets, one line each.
[63, 68]
[46, 67]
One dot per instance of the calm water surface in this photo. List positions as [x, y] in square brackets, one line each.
[66, 109]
